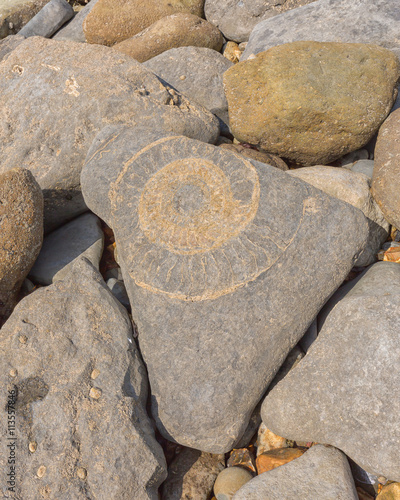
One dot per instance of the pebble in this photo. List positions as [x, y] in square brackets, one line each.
[229, 481]
[267, 440]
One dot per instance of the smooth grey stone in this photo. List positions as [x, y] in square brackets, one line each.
[365, 167]
[8, 44]
[344, 390]
[49, 19]
[214, 267]
[14, 14]
[115, 273]
[355, 21]
[197, 73]
[353, 188]
[62, 95]
[81, 237]
[118, 289]
[82, 390]
[321, 473]
[309, 337]
[74, 29]
[390, 244]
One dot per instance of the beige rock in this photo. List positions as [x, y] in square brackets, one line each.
[177, 30]
[14, 14]
[311, 102]
[267, 440]
[262, 156]
[112, 21]
[232, 52]
[21, 233]
[390, 492]
[386, 174]
[229, 481]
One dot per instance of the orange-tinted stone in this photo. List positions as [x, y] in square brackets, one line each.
[274, 458]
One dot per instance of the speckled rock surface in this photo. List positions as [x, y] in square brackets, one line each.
[112, 21]
[342, 392]
[197, 73]
[237, 19]
[201, 234]
[82, 431]
[253, 154]
[21, 233]
[14, 14]
[9, 43]
[322, 473]
[192, 475]
[81, 237]
[359, 21]
[177, 30]
[352, 188]
[56, 96]
[312, 102]
[386, 174]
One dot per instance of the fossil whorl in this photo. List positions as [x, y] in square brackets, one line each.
[186, 220]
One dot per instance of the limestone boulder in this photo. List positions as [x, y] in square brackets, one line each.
[177, 30]
[213, 267]
[312, 102]
[341, 393]
[74, 382]
[21, 233]
[112, 21]
[56, 96]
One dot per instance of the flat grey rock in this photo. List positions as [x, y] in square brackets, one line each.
[56, 96]
[49, 19]
[213, 266]
[74, 29]
[321, 473]
[81, 237]
[356, 21]
[343, 391]
[197, 73]
[81, 389]
[236, 19]
[353, 188]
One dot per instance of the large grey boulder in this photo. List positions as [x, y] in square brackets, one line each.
[74, 29]
[322, 473]
[353, 188]
[237, 19]
[357, 21]
[56, 96]
[197, 73]
[215, 251]
[81, 237]
[49, 19]
[73, 380]
[342, 392]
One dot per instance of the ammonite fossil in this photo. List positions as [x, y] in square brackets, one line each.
[188, 222]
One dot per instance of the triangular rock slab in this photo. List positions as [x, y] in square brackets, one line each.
[80, 425]
[322, 473]
[356, 21]
[56, 96]
[344, 391]
[222, 262]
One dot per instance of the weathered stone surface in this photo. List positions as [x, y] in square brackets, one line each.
[82, 430]
[192, 475]
[74, 29]
[112, 21]
[267, 440]
[322, 473]
[354, 189]
[253, 154]
[386, 174]
[390, 492]
[118, 289]
[312, 102]
[81, 237]
[201, 234]
[56, 96]
[9, 43]
[197, 73]
[342, 391]
[237, 19]
[177, 30]
[365, 167]
[229, 481]
[272, 459]
[21, 233]
[14, 14]
[360, 21]
[49, 19]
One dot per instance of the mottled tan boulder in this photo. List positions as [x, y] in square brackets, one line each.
[112, 21]
[312, 102]
[21, 233]
[14, 14]
[386, 174]
[177, 30]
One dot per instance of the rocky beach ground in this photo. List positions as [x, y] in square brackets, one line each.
[199, 249]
